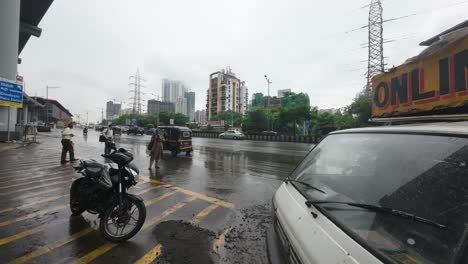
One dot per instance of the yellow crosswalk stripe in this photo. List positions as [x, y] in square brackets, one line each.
[35, 187]
[47, 248]
[29, 216]
[25, 178]
[155, 252]
[32, 204]
[204, 213]
[26, 183]
[198, 195]
[22, 197]
[108, 246]
[29, 232]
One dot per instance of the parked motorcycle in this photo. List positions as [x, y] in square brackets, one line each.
[103, 191]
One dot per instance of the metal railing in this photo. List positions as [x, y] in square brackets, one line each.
[261, 137]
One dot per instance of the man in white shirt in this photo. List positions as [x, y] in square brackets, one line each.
[67, 144]
[108, 132]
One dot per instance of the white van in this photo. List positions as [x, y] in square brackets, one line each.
[395, 194]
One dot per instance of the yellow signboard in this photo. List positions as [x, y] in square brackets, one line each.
[437, 79]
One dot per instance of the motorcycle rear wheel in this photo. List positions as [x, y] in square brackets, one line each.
[113, 220]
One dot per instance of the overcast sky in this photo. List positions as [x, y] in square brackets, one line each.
[90, 48]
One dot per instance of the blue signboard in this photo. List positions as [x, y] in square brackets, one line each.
[11, 94]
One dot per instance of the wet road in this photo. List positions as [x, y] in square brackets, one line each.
[211, 207]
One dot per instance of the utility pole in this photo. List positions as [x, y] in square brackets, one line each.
[136, 90]
[375, 61]
[268, 103]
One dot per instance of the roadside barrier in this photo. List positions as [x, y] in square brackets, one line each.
[261, 137]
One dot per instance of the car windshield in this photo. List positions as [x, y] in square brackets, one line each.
[420, 174]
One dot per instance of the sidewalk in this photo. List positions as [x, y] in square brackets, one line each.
[7, 146]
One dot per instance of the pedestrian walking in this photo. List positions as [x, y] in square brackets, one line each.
[156, 149]
[108, 133]
[67, 144]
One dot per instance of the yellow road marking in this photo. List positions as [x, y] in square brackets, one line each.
[205, 212]
[159, 198]
[29, 216]
[33, 203]
[149, 189]
[155, 252]
[219, 243]
[27, 233]
[38, 229]
[108, 246]
[26, 183]
[198, 195]
[34, 187]
[26, 178]
[34, 194]
[46, 249]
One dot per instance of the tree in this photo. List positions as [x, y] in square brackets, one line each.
[362, 108]
[258, 100]
[255, 121]
[229, 116]
[295, 108]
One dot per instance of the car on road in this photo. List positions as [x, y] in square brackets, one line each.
[136, 130]
[269, 133]
[232, 134]
[394, 194]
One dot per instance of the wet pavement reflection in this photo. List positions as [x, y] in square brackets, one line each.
[219, 195]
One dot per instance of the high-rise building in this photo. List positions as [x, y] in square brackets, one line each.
[174, 91]
[113, 111]
[226, 92]
[190, 97]
[200, 116]
[109, 110]
[283, 92]
[155, 106]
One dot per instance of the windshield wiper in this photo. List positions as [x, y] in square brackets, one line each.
[304, 183]
[377, 208]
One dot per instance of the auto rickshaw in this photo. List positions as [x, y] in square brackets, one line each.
[177, 139]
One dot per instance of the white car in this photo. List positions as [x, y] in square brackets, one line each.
[377, 195]
[232, 134]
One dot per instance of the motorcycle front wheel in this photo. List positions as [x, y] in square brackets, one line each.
[121, 222]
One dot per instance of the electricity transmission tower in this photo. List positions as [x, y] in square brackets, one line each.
[376, 59]
[136, 90]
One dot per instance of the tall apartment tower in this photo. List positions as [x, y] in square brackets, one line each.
[226, 92]
[174, 91]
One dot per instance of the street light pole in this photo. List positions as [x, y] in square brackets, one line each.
[268, 103]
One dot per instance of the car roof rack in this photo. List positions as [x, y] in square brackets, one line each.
[426, 118]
